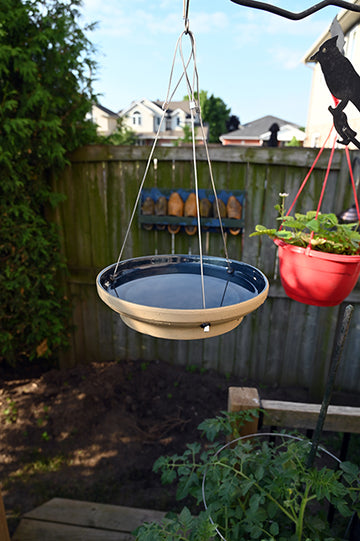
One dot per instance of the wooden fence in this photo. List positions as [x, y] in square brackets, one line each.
[283, 343]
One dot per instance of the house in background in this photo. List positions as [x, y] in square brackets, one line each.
[105, 119]
[258, 133]
[319, 119]
[144, 118]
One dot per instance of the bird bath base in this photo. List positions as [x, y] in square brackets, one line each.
[162, 295]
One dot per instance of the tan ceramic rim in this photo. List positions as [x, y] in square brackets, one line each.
[181, 324]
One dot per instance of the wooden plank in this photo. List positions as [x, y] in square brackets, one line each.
[300, 157]
[185, 220]
[349, 374]
[327, 321]
[300, 415]
[97, 191]
[243, 399]
[4, 532]
[94, 515]
[34, 530]
[62, 519]
[243, 346]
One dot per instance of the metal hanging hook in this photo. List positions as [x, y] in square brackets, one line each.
[186, 15]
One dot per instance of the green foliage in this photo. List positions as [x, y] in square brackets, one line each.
[183, 527]
[293, 143]
[11, 411]
[187, 137]
[255, 490]
[216, 114]
[45, 95]
[323, 232]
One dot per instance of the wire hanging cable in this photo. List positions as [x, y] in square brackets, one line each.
[308, 174]
[353, 183]
[193, 89]
[165, 107]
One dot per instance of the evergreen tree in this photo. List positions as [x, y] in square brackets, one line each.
[215, 113]
[45, 95]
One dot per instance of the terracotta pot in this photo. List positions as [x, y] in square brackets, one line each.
[148, 209]
[234, 210]
[190, 210]
[175, 208]
[316, 278]
[161, 210]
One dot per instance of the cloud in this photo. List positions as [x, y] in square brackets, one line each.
[285, 58]
[204, 22]
[138, 24]
[117, 19]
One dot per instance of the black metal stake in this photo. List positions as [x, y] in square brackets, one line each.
[334, 364]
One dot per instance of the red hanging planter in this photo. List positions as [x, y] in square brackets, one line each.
[316, 278]
[309, 275]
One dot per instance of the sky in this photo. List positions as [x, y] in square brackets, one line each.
[249, 58]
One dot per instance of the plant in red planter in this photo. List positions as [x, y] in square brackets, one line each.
[319, 258]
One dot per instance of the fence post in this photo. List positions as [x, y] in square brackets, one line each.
[243, 399]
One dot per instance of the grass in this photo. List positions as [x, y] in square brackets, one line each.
[38, 463]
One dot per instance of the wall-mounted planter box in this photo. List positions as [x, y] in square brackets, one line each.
[210, 223]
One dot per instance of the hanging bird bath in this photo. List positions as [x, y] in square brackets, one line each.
[161, 295]
[183, 297]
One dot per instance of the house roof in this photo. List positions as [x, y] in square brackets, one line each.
[286, 133]
[105, 110]
[347, 19]
[184, 105]
[256, 128]
[154, 107]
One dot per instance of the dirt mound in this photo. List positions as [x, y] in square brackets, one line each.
[93, 433]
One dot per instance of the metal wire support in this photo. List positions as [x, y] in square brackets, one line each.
[334, 365]
[296, 16]
[237, 440]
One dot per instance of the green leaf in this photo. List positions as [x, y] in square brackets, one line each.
[274, 528]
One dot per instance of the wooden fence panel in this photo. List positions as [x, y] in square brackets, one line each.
[282, 343]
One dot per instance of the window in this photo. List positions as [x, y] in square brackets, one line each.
[136, 118]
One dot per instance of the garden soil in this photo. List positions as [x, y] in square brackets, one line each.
[94, 432]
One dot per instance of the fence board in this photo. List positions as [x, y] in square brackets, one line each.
[283, 342]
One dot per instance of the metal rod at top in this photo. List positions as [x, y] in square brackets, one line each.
[186, 14]
[297, 16]
[186, 9]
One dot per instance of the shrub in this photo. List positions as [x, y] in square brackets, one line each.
[45, 95]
